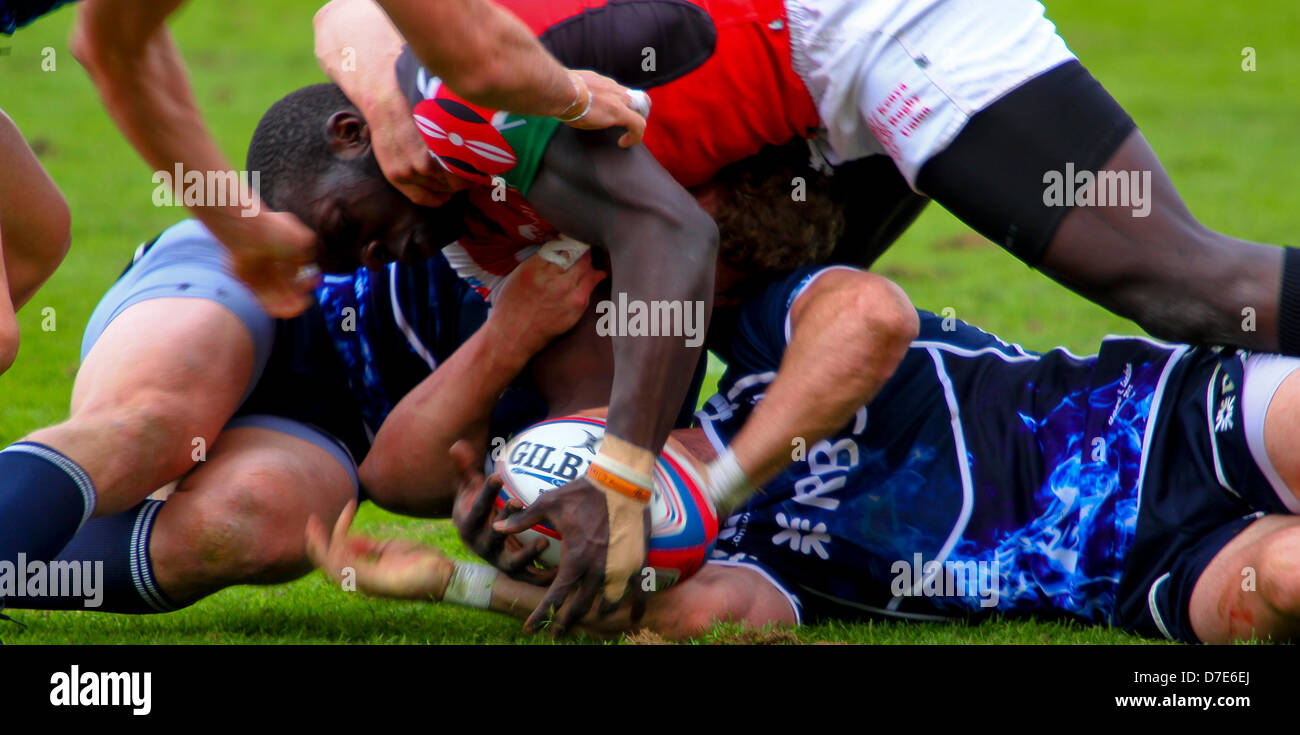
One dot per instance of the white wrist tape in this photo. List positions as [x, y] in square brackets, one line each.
[563, 251]
[728, 486]
[639, 102]
[471, 585]
[615, 467]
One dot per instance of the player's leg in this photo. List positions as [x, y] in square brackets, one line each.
[984, 108]
[238, 518]
[161, 375]
[34, 231]
[1251, 589]
[1129, 243]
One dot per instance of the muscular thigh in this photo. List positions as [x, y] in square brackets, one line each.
[175, 346]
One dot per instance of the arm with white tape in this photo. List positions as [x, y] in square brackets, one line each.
[849, 331]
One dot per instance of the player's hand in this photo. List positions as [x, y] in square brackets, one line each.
[605, 543]
[403, 155]
[474, 513]
[540, 300]
[399, 569]
[613, 105]
[273, 254]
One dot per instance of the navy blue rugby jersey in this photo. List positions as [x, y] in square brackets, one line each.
[983, 476]
[392, 327]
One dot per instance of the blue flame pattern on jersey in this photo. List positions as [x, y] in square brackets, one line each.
[978, 460]
[392, 327]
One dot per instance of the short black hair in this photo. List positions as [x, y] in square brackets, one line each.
[291, 144]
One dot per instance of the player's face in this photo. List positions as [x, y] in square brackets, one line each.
[363, 221]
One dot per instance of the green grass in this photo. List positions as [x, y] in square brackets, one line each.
[1228, 138]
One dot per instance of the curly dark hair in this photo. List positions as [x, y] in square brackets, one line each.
[775, 213]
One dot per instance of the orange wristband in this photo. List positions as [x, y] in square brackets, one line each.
[618, 484]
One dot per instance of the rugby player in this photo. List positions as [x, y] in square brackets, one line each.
[1151, 487]
[306, 394]
[978, 103]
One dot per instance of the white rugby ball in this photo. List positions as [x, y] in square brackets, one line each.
[550, 454]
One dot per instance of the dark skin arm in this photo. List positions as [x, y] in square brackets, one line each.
[661, 246]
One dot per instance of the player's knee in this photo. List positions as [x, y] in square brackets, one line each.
[1279, 572]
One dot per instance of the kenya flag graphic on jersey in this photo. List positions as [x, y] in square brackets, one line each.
[461, 138]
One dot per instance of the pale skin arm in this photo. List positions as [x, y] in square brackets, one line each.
[357, 47]
[422, 454]
[129, 54]
[34, 231]
[489, 57]
[849, 331]
[406, 570]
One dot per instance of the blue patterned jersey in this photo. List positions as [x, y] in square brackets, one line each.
[982, 477]
[392, 327]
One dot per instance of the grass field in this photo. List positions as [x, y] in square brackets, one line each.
[1227, 136]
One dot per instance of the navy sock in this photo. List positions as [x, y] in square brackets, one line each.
[112, 554]
[44, 498]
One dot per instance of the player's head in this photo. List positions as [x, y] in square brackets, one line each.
[313, 152]
[775, 214]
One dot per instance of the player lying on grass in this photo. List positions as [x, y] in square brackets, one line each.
[1152, 487]
[980, 105]
[305, 394]
[34, 232]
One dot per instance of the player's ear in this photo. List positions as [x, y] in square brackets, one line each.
[348, 133]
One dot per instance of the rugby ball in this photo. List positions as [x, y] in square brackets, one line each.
[549, 455]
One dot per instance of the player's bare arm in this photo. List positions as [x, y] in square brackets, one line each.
[357, 47]
[407, 570]
[849, 330]
[416, 466]
[129, 54]
[34, 231]
[662, 247]
[488, 55]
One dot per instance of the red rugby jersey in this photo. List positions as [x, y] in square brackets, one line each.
[713, 103]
